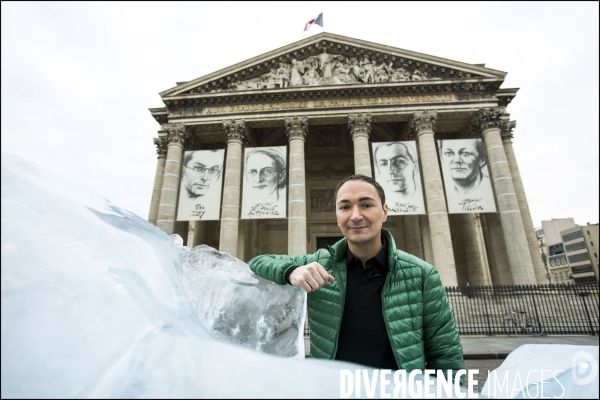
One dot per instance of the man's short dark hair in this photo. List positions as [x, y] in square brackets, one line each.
[364, 178]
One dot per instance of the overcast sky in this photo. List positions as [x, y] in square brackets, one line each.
[78, 79]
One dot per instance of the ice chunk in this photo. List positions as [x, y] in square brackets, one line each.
[569, 372]
[239, 307]
[93, 304]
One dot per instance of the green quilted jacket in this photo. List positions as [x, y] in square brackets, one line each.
[418, 317]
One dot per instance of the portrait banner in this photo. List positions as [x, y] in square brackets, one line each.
[397, 171]
[201, 182]
[264, 183]
[466, 177]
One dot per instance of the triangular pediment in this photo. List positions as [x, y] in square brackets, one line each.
[327, 59]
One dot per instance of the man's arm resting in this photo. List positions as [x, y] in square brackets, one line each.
[296, 271]
[275, 267]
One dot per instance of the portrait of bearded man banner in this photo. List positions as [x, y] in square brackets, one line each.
[466, 177]
[397, 171]
[201, 182]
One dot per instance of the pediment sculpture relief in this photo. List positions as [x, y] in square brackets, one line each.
[329, 69]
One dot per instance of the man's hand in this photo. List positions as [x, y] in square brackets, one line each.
[310, 277]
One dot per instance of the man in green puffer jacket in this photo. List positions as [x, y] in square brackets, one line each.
[368, 302]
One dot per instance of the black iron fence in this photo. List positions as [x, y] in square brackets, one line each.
[560, 309]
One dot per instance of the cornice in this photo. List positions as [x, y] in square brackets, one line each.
[484, 85]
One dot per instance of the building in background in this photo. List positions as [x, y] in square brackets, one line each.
[581, 250]
[329, 99]
[556, 262]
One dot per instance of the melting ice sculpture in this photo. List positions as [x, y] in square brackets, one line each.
[545, 371]
[93, 305]
[239, 307]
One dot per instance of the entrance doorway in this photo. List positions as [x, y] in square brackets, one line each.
[328, 240]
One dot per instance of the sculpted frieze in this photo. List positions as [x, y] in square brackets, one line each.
[347, 102]
[327, 137]
[322, 201]
[328, 170]
[329, 69]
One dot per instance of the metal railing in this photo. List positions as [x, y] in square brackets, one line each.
[560, 309]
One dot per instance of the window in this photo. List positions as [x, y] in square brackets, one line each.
[585, 279]
[582, 268]
[579, 257]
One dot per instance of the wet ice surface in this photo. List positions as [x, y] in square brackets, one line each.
[96, 302]
[570, 372]
[93, 304]
[239, 307]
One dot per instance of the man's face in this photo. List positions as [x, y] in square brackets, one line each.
[359, 212]
[395, 167]
[201, 172]
[261, 173]
[461, 159]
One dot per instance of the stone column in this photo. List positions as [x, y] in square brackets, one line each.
[191, 234]
[462, 272]
[536, 259]
[475, 256]
[295, 129]
[170, 186]
[230, 211]
[161, 151]
[422, 125]
[412, 232]
[359, 126]
[519, 257]
[200, 236]
[426, 235]
[499, 269]
[251, 237]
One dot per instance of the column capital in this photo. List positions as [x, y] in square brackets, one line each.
[506, 129]
[235, 130]
[489, 118]
[296, 127]
[422, 122]
[359, 124]
[161, 143]
[175, 133]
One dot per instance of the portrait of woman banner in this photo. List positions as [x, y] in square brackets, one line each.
[264, 183]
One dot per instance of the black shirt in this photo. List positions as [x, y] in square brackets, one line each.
[363, 337]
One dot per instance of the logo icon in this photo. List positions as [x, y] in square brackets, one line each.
[585, 368]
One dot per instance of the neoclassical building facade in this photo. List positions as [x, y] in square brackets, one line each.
[330, 99]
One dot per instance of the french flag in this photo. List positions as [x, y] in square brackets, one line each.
[316, 21]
